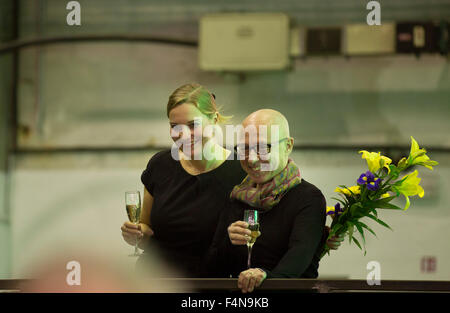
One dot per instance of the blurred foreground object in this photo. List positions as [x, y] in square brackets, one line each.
[98, 274]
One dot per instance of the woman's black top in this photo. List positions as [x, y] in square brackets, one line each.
[292, 236]
[186, 209]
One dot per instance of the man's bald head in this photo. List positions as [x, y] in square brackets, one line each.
[270, 133]
[268, 117]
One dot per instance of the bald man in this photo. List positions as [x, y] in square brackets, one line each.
[270, 127]
[291, 210]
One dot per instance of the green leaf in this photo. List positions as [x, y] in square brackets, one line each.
[361, 232]
[368, 228]
[343, 196]
[394, 171]
[354, 207]
[399, 182]
[341, 201]
[382, 205]
[388, 199]
[345, 187]
[334, 230]
[389, 206]
[358, 244]
[379, 221]
[350, 231]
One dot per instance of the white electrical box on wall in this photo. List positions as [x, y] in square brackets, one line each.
[241, 42]
[359, 39]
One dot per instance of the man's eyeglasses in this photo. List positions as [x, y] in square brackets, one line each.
[243, 150]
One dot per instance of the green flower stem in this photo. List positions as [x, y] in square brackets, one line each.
[326, 250]
[364, 193]
[378, 174]
[386, 182]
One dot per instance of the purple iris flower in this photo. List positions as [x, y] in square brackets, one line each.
[367, 178]
[337, 209]
[374, 185]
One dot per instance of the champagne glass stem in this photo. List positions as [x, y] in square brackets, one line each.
[249, 255]
[136, 251]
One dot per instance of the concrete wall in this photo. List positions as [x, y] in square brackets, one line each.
[115, 94]
[5, 102]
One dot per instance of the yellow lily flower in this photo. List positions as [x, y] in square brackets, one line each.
[418, 156]
[385, 195]
[375, 160]
[410, 187]
[355, 189]
[415, 150]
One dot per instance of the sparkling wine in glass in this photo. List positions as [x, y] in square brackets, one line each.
[133, 206]
[252, 218]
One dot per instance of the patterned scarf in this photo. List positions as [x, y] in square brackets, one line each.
[267, 195]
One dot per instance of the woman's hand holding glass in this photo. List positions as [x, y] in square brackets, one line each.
[132, 232]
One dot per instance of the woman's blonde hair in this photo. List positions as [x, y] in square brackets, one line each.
[200, 97]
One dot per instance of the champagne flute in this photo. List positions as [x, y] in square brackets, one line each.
[133, 206]
[251, 217]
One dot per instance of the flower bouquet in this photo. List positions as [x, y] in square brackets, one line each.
[375, 189]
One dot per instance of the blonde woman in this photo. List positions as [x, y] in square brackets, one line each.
[185, 195]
